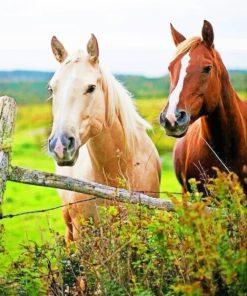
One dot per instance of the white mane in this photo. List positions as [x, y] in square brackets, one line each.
[120, 103]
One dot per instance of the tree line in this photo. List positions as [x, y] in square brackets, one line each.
[31, 86]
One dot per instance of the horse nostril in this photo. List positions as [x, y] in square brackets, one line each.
[52, 144]
[68, 142]
[71, 143]
[165, 121]
[182, 117]
[162, 118]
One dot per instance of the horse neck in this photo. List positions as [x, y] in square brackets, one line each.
[109, 154]
[225, 127]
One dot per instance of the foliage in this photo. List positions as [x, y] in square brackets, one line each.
[29, 87]
[239, 80]
[146, 87]
[198, 250]
[25, 92]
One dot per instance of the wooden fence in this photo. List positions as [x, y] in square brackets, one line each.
[35, 177]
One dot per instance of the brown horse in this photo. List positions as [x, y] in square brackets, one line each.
[204, 111]
[97, 135]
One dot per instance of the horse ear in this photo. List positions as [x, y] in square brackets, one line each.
[208, 34]
[93, 49]
[58, 50]
[177, 37]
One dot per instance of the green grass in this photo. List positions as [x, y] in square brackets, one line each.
[32, 130]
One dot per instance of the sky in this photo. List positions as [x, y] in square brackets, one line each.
[133, 35]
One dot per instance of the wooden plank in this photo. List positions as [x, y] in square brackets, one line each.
[38, 178]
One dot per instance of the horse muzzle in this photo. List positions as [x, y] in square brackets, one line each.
[64, 149]
[175, 125]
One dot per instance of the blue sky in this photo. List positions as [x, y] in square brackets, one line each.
[134, 35]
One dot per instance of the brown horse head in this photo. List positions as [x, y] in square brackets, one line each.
[195, 85]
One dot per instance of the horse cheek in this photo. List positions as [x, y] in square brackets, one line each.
[196, 107]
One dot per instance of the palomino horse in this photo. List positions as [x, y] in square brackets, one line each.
[97, 135]
[204, 111]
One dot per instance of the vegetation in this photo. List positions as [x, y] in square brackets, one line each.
[189, 252]
[135, 251]
[239, 80]
[31, 87]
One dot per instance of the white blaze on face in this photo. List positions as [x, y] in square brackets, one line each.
[63, 101]
[174, 96]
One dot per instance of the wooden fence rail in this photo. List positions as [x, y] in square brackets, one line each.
[34, 177]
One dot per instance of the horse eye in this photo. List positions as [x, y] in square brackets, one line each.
[207, 69]
[90, 89]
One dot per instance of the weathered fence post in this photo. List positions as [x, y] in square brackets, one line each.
[7, 122]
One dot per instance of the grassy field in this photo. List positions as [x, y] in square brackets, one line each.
[32, 130]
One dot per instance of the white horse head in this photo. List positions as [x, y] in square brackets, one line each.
[85, 100]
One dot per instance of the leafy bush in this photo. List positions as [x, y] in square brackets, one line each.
[200, 249]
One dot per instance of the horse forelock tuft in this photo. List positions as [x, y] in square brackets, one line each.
[187, 45]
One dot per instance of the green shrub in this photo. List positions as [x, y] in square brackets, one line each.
[198, 250]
